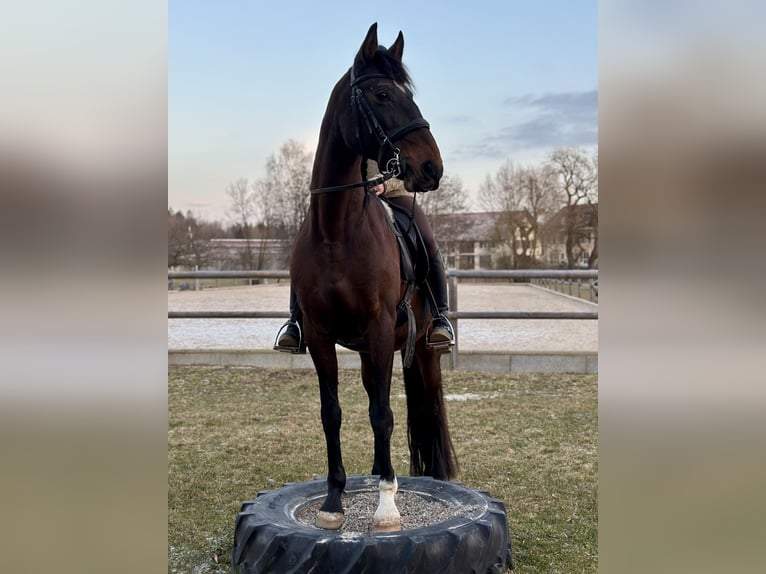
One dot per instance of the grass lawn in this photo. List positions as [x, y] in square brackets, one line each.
[529, 439]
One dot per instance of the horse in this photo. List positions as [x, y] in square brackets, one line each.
[345, 271]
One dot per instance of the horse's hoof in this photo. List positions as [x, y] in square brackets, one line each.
[387, 526]
[329, 520]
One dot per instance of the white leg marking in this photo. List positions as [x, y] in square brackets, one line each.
[387, 517]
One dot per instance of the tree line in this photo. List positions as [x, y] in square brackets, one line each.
[525, 197]
[529, 197]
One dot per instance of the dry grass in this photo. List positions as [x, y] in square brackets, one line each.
[530, 440]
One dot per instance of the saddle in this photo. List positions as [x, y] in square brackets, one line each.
[413, 266]
[413, 255]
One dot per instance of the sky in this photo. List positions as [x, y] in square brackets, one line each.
[497, 80]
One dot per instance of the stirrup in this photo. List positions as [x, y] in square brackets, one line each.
[441, 346]
[300, 349]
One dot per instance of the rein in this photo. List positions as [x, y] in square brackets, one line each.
[365, 184]
[359, 105]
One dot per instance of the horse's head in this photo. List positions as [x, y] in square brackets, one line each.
[385, 123]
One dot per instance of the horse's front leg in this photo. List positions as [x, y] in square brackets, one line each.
[330, 514]
[376, 375]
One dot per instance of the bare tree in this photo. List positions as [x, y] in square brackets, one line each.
[438, 205]
[506, 194]
[242, 211]
[501, 192]
[593, 259]
[577, 174]
[577, 179]
[283, 195]
[537, 186]
[177, 247]
[189, 239]
[263, 213]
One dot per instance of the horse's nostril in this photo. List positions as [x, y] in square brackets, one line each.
[431, 170]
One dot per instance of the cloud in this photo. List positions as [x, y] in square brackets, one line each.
[552, 120]
[577, 103]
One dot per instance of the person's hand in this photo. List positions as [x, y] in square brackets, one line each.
[378, 189]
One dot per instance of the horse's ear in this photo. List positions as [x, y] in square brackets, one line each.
[397, 47]
[370, 44]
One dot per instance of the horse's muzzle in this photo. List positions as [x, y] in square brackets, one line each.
[432, 172]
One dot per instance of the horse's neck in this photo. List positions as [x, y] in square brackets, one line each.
[334, 213]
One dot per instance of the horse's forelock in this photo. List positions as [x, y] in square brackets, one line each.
[392, 67]
[386, 64]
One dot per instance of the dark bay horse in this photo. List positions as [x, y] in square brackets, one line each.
[346, 273]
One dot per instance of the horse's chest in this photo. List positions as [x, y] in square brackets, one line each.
[348, 278]
[355, 260]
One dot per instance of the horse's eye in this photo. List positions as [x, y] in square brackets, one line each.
[381, 95]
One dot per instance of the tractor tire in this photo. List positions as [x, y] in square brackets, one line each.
[269, 539]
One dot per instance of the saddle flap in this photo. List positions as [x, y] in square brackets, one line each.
[407, 231]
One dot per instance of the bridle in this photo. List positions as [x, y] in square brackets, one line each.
[360, 107]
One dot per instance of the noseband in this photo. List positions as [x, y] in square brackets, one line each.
[360, 106]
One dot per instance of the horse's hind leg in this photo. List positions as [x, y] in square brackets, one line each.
[330, 514]
[376, 376]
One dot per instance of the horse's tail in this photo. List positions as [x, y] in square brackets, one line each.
[431, 451]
